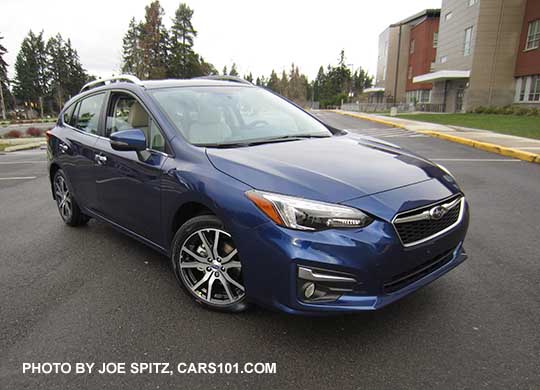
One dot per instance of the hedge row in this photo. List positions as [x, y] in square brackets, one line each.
[507, 110]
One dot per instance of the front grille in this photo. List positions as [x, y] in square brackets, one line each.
[397, 282]
[419, 225]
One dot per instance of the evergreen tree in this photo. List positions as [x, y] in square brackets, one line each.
[184, 62]
[4, 82]
[57, 69]
[233, 71]
[273, 82]
[31, 69]
[283, 84]
[154, 42]
[131, 49]
[249, 77]
[225, 70]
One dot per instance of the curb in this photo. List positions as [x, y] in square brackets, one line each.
[488, 147]
[371, 119]
[16, 148]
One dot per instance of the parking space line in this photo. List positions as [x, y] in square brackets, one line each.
[18, 178]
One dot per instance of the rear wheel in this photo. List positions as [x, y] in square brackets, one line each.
[207, 265]
[67, 205]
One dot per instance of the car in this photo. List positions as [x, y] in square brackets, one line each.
[254, 200]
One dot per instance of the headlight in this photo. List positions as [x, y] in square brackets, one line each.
[303, 214]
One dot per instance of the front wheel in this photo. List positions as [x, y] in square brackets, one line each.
[206, 263]
[67, 205]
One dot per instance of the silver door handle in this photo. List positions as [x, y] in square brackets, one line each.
[100, 159]
[64, 147]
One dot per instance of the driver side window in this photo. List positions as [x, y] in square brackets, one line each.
[125, 113]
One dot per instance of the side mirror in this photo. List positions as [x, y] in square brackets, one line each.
[126, 140]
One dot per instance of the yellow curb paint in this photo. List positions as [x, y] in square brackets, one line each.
[371, 119]
[488, 147]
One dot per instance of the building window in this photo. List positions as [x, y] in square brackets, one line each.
[522, 86]
[444, 59]
[534, 91]
[411, 51]
[448, 16]
[472, 2]
[435, 39]
[468, 42]
[533, 37]
[420, 96]
[528, 89]
[410, 72]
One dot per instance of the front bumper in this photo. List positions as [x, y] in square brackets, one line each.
[384, 269]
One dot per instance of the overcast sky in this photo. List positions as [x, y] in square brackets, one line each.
[258, 35]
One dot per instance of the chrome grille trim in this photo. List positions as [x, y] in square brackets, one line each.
[425, 215]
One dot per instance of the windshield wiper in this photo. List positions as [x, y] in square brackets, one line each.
[283, 138]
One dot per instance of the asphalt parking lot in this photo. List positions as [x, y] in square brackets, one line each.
[93, 295]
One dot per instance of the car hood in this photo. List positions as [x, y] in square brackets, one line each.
[333, 169]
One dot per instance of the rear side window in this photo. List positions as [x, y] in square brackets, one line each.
[67, 114]
[88, 113]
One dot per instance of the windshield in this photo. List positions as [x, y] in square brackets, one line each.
[220, 116]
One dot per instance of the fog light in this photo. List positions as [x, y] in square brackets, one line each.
[309, 289]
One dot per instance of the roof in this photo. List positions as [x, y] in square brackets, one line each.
[214, 80]
[432, 12]
[154, 84]
[442, 75]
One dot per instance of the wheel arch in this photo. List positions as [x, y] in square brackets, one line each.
[52, 171]
[185, 212]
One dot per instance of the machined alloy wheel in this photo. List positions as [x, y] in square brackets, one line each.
[63, 197]
[210, 267]
[66, 202]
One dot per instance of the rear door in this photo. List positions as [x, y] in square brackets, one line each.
[129, 183]
[76, 145]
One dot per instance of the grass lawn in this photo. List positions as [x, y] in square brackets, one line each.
[524, 126]
[3, 146]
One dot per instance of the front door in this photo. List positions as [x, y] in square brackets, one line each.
[128, 183]
[459, 99]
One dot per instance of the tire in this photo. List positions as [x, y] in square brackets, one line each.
[65, 201]
[213, 280]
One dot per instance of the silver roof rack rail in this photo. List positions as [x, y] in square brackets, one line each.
[123, 77]
[233, 79]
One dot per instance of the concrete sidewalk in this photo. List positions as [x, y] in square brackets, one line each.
[526, 149]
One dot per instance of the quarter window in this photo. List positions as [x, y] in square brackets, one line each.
[67, 114]
[468, 42]
[88, 113]
[533, 36]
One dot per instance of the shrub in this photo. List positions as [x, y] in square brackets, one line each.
[499, 110]
[13, 134]
[521, 111]
[480, 110]
[33, 132]
[533, 112]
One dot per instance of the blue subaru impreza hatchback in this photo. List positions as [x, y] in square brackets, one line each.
[254, 199]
